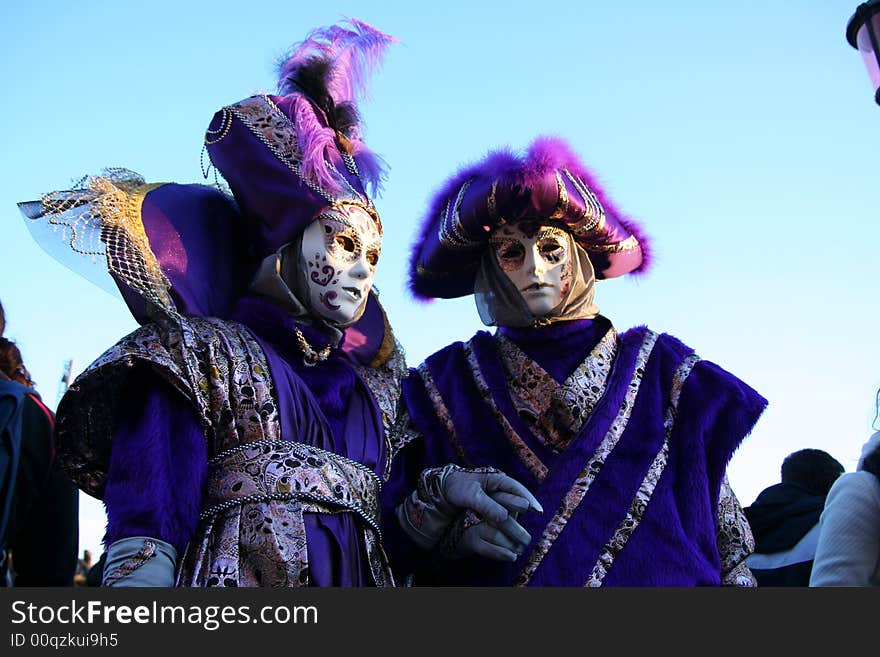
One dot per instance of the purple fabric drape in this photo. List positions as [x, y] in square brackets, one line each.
[328, 406]
[159, 457]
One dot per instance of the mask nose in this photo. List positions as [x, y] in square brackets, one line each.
[535, 264]
[360, 269]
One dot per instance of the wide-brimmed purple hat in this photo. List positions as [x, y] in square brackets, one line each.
[289, 157]
[549, 184]
[168, 249]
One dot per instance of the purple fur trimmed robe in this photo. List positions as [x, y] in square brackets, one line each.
[256, 438]
[623, 439]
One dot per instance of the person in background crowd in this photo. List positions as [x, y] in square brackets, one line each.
[848, 553]
[83, 566]
[39, 523]
[96, 572]
[785, 518]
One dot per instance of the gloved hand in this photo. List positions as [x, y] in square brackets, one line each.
[443, 494]
[471, 535]
[139, 561]
[488, 492]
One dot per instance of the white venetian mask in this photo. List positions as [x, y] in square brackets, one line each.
[537, 260]
[340, 250]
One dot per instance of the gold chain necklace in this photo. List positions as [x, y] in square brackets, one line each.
[310, 356]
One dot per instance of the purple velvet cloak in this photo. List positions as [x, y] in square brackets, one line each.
[675, 542]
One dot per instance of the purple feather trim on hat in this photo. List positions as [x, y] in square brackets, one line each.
[548, 153]
[317, 142]
[498, 163]
[544, 155]
[341, 59]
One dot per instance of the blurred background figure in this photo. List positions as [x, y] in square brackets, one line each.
[39, 504]
[785, 519]
[96, 572]
[848, 553]
[83, 566]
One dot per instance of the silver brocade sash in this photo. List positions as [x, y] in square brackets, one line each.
[283, 470]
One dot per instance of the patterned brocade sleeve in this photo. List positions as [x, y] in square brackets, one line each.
[735, 539]
[400, 433]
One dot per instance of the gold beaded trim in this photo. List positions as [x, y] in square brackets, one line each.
[562, 202]
[310, 356]
[223, 130]
[629, 244]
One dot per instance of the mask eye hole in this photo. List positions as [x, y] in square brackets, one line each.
[373, 257]
[551, 250]
[346, 243]
[511, 251]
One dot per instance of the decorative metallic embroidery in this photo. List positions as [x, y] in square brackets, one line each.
[399, 434]
[240, 387]
[430, 482]
[532, 392]
[440, 409]
[555, 413]
[492, 205]
[452, 234]
[584, 480]
[101, 219]
[384, 381]
[594, 214]
[147, 552]
[629, 244]
[678, 379]
[253, 545]
[562, 199]
[283, 470]
[271, 126]
[735, 539]
[583, 389]
[222, 130]
[646, 489]
[741, 575]
[219, 366]
[377, 559]
[522, 451]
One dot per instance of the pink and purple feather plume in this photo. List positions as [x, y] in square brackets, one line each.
[327, 74]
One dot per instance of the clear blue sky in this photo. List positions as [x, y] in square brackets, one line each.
[742, 135]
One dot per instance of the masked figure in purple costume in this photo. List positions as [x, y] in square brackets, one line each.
[623, 438]
[239, 437]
